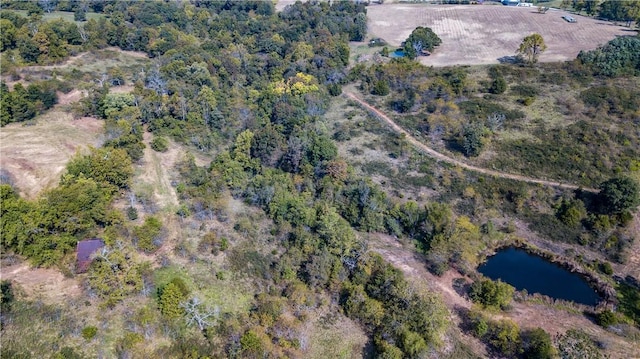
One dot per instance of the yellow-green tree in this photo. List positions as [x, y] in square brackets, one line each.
[531, 47]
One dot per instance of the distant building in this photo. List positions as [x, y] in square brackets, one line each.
[84, 250]
[510, 2]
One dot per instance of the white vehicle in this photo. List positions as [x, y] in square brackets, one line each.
[569, 18]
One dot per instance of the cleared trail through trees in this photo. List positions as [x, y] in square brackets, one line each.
[444, 158]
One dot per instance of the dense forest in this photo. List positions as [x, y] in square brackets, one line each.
[252, 90]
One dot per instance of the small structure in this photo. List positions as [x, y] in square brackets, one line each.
[84, 250]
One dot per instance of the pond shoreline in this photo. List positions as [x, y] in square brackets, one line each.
[604, 290]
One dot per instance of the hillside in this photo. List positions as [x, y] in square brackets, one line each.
[263, 185]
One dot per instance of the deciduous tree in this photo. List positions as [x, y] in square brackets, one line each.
[531, 48]
[422, 38]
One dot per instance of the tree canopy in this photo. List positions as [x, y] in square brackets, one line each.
[619, 194]
[531, 48]
[421, 39]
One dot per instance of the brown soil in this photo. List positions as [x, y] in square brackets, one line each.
[444, 158]
[48, 285]
[484, 33]
[68, 98]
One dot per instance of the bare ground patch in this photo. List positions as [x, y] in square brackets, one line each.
[155, 169]
[46, 284]
[35, 155]
[483, 34]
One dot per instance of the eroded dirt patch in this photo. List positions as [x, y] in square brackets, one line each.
[48, 285]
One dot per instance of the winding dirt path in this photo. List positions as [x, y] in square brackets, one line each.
[444, 158]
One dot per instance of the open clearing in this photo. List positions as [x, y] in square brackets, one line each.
[46, 284]
[483, 34]
[35, 155]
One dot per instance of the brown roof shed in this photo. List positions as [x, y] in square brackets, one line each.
[84, 250]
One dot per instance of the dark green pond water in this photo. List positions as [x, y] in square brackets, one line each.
[537, 275]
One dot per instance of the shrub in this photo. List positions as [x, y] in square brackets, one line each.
[606, 318]
[380, 88]
[537, 344]
[606, 268]
[525, 91]
[492, 294]
[132, 213]
[89, 332]
[498, 86]
[619, 194]
[160, 144]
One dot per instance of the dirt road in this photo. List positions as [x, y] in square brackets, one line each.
[444, 158]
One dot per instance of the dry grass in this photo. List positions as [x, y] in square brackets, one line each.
[329, 334]
[36, 153]
[483, 34]
[48, 285]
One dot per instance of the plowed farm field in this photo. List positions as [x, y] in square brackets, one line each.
[482, 34]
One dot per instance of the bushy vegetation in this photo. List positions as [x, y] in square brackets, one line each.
[23, 104]
[273, 232]
[619, 57]
[46, 229]
[505, 338]
[421, 39]
[491, 294]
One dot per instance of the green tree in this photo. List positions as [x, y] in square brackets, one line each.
[252, 344]
[491, 294]
[170, 298]
[498, 85]
[571, 212]
[537, 344]
[149, 236]
[380, 88]
[359, 30]
[80, 14]
[109, 166]
[473, 140]
[531, 48]
[113, 275]
[421, 39]
[505, 337]
[160, 144]
[619, 194]
[6, 296]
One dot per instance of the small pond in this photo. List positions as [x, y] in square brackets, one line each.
[537, 275]
[396, 54]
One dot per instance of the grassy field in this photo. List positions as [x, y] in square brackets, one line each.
[484, 34]
[35, 153]
[64, 15]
